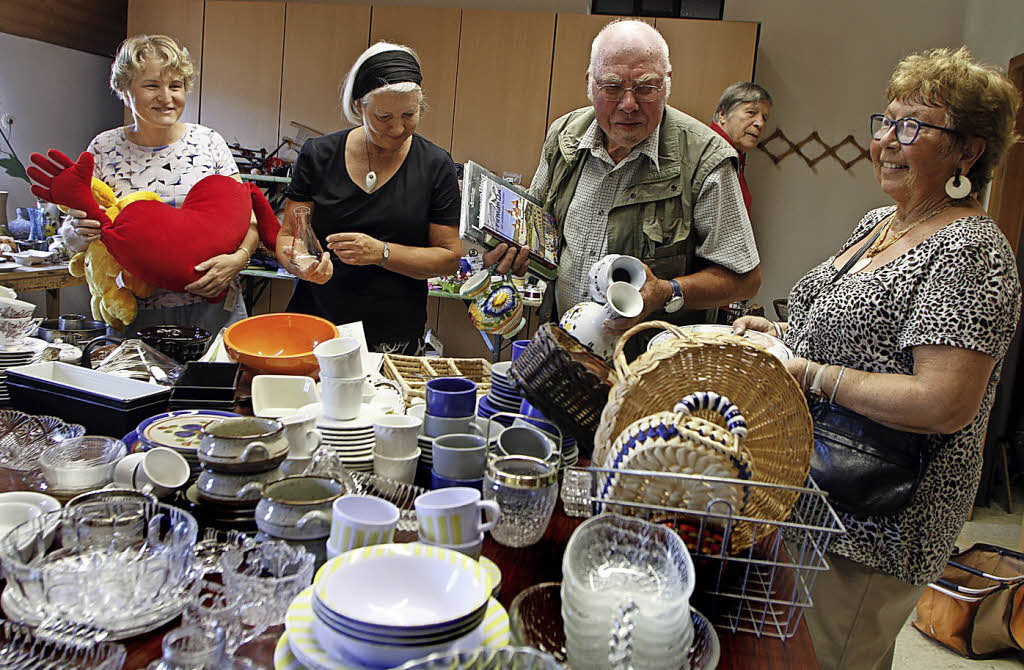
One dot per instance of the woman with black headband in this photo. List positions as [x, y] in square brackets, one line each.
[385, 202]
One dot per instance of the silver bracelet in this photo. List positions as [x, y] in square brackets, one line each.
[835, 387]
[807, 369]
[778, 329]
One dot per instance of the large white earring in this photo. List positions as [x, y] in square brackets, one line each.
[958, 186]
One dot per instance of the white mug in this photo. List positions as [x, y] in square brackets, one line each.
[360, 521]
[341, 397]
[396, 435]
[161, 471]
[454, 516]
[124, 470]
[339, 357]
[397, 468]
[302, 435]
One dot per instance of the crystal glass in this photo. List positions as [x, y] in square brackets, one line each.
[81, 464]
[535, 619]
[121, 566]
[526, 489]
[270, 573]
[197, 648]
[237, 614]
[306, 250]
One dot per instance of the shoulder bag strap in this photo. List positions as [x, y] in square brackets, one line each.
[856, 257]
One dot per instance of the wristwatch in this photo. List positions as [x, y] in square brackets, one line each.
[385, 254]
[675, 303]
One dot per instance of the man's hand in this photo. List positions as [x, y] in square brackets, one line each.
[509, 259]
[219, 271]
[655, 292]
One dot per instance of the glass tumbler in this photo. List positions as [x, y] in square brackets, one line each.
[525, 489]
[197, 648]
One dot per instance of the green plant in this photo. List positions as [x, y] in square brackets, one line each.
[10, 162]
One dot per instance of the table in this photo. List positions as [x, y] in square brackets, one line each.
[49, 278]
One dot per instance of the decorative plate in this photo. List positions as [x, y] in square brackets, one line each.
[181, 433]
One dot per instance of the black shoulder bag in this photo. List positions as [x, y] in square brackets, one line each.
[867, 469]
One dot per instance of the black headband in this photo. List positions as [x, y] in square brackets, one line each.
[387, 67]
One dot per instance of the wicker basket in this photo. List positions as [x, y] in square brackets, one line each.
[780, 437]
[565, 380]
[413, 372]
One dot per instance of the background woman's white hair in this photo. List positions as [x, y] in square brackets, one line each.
[657, 43]
[348, 105]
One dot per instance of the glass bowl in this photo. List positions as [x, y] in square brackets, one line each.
[535, 618]
[271, 572]
[81, 463]
[122, 566]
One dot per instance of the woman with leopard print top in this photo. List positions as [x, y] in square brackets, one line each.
[912, 336]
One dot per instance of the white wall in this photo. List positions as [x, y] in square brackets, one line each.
[60, 99]
[994, 30]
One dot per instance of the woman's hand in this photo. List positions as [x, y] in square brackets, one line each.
[356, 248]
[78, 231]
[758, 323]
[219, 271]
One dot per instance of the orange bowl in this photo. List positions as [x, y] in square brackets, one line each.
[280, 343]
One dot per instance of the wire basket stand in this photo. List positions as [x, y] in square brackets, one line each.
[761, 590]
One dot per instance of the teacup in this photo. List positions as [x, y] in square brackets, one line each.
[435, 426]
[360, 521]
[460, 455]
[301, 434]
[454, 516]
[243, 444]
[518, 347]
[161, 471]
[398, 468]
[396, 435]
[124, 470]
[451, 396]
[341, 397]
[298, 508]
[339, 357]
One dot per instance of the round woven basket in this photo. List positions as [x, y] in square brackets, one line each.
[565, 380]
[780, 432]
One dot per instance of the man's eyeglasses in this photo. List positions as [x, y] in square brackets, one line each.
[907, 128]
[641, 93]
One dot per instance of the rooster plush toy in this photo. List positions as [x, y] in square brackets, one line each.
[151, 241]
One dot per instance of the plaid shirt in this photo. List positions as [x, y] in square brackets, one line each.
[720, 220]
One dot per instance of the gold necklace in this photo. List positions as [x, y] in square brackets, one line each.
[878, 247]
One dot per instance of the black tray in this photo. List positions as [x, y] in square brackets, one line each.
[207, 381]
[98, 418]
[68, 390]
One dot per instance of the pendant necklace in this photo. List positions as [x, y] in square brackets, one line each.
[878, 247]
[371, 177]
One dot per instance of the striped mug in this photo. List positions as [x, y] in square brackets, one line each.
[454, 516]
[359, 521]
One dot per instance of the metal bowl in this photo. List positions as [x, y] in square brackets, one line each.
[50, 331]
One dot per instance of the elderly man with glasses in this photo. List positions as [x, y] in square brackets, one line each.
[631, 175]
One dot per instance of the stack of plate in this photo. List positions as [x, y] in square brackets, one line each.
[22, 353]
[503, 396]
[179, 430]
[383, 605]
[352, 440]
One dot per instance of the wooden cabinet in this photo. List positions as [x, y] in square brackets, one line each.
[706, 57]
[180, 19]
[502, 89]
[320, 44]
[573, 35]
[434, 34]
[241, 71]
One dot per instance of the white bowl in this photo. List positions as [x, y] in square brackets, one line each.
[276, 396]
[340, 646]
[402, 585]
[44, 502]
[12, 308]
[31, 257]
[14, 514]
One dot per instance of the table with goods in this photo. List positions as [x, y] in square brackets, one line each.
[282, 501]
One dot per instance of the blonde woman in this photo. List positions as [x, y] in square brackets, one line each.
[158, 152]
[385, 203]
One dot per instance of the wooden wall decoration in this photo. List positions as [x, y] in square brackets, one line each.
[827, 149]
[321, 42]
[434, 34]
[94, 26]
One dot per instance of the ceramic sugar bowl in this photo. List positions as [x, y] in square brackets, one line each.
[497, 305]
[298, 508]
[243, 444]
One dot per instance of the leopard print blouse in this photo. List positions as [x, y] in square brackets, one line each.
[958, 288]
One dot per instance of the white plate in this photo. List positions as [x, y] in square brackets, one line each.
[367, 415]
[769, 343]
[8, 267]
[41, 501]
[30, 346]
[501, 369]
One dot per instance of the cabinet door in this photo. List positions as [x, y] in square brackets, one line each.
[502, 89]
[434, 34]
[180, 19]
[242, 44]
[321, 43]
[574, 34]
[706, 57]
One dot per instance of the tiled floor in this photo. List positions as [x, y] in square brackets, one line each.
[915, 651]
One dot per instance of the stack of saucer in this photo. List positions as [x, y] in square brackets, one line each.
[351, 439]
[24, 352]
[503, 396]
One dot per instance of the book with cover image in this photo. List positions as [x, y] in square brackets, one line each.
[494, 211]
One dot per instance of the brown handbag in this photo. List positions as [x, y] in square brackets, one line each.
[977, 607]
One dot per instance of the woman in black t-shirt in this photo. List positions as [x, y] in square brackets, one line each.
[384, 201]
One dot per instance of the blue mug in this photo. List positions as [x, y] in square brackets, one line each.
[518, 346]
[451, 397]
[441, 482]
